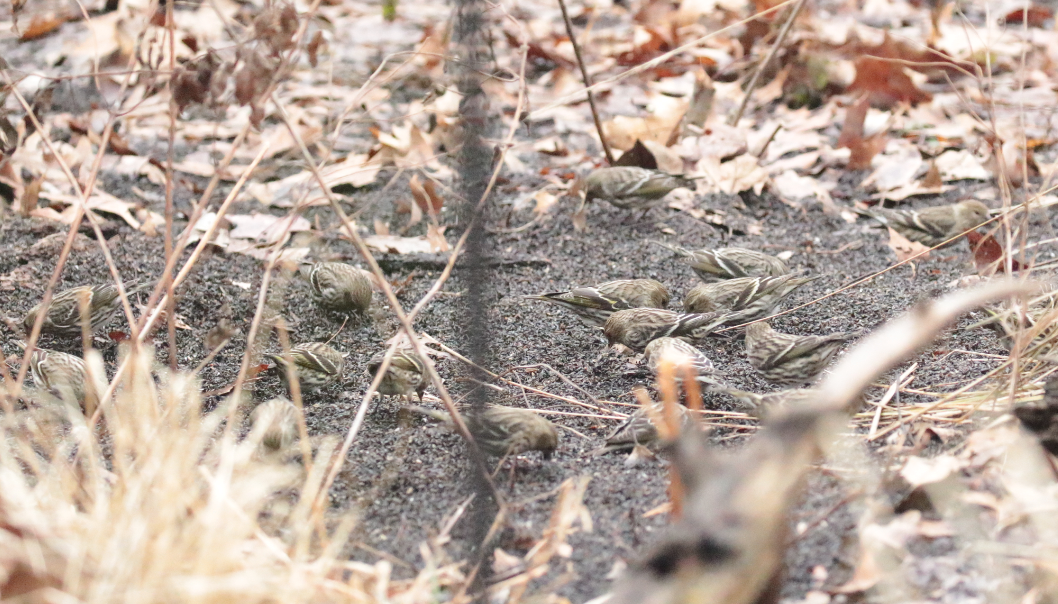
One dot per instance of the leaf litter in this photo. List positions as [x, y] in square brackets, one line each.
[887, 103]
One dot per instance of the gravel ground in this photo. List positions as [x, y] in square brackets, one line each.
[405, 480]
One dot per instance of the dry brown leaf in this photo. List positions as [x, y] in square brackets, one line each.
[266, 227]
[918, 471]
[544, 202]
[852, 136]
[436, 236]
[392, 244]
[732, 177]
[905, 248]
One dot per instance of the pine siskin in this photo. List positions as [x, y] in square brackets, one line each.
[932, 226]
[63, 315]
[404, 375]
[341, 287]
[595, 304]
[504, 431]
[629, 187]
[509, 431]
[636, 327]
[753, 297]
[790, 359]
[681, 354]
[278, 420]
[316, 364]
[63, 375]
[729, 262]
[763, 404]
[639, 428]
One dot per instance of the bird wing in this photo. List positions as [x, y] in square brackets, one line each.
[935, 224]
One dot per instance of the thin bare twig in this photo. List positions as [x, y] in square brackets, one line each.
[763, 64]
[587, 82]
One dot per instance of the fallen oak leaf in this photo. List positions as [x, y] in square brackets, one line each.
[988, 254]
[905, 248]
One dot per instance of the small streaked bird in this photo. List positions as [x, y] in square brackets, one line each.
[63, 315]
[277, 420]
[630, 187]
[404, 376]
[681, 354]
[502, 431]
[595, 304]
[753, 297]
[341, 287]
[315, 364]
[931, 226]
[761, 405]
[62, 375]
[639, 429]
[728, 262]
[790, 359]
[637, 327]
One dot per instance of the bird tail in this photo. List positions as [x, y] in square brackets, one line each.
[546, 297]
[675, 249]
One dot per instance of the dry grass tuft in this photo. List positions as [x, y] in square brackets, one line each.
[161, 504]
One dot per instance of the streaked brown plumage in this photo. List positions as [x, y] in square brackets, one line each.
[63, 315]
[932, 226]
[635, 328]
[787, 358]
[753, 297]
[729, 262]
[63, 375]
[595, 304]
[277, 420]
[639, 428]
[681, 354]
[316, 364]
[341, 287]
[761, 405]
[630, 187]
[508, 431]
[404, 376]
[503, 431]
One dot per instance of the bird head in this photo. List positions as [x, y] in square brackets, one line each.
[548, 443]
[973, 212]
[758, 329]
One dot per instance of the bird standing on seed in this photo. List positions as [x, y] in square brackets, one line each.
[729, 262]
[752, 297]
[630, 188]
[405, 374]
[931, 226]
[341, 287]
[62, 317]
[682, 355]
[277, 419]
[635, 328]
[314, 363]
[640, 429]
[63, 375]
[501, 431]
[594, 305]
[790, 359]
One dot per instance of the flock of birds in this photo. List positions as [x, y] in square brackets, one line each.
[740, 287]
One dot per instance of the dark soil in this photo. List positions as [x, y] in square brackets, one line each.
[406, 480]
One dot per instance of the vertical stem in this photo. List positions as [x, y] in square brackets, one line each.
[170, 307]
[587, 82]
[760, 68]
